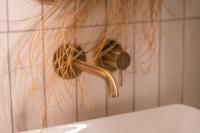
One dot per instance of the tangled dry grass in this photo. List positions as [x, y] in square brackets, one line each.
[69, 16]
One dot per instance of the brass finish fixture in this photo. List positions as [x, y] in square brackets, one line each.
[98, 71]
[78, 64]
[61, 58]
[113, 57]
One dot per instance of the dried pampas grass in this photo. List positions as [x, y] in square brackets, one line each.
[74, 13]
[67, 18]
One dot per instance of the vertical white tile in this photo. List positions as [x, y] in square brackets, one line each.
[192, 8]
[24, 14]
[123, 103]
[97, 14]
[192, 65]
[146, 78]
[91, 89]
[171, 62]
[172, 9]
[5, 105]
[92, 95]
[55, 18]
[3, 19]
[120, 11]
[27, 81]
[94, 14]
[60, 93]
[147, 10]
[61, 102]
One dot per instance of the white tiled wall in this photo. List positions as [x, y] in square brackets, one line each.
[27, 99]
[172, 9]
[171, 57]
[191, 73]
[142, 10]
[192, 8]
[173, 78]
[5, 105]
[60, 93]
[3, 20]
[146, 68]
[23, 14]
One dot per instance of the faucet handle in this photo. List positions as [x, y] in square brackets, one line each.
[113, 57]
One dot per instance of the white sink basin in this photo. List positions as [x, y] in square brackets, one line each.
[168, 119]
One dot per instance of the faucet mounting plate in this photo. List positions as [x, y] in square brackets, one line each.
[113, 57]
[63, 61]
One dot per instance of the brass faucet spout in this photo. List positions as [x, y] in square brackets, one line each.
[98, 71]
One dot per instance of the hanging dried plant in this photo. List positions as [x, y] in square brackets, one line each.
[73, 14]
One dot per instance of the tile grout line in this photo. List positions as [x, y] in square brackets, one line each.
[106, 28]
[183, 52]
[9, 67]
[3, 32]
[76, 82]
[101, 25]
[45, 123]
[159, 56]
[134, 62]
[76, 100]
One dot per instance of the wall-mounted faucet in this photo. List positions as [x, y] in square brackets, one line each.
[113, 57]
[98, 71]
[78, 64]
